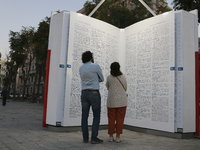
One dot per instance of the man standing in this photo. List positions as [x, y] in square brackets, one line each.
[4, 94]
[91, 75]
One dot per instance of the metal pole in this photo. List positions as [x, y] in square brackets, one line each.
[93, 11]
[147, 7]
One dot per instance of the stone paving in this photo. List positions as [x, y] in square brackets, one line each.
[21, 129]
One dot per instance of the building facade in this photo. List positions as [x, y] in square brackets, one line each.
[29, 75]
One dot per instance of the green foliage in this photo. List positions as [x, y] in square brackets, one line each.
[16, 54]
[40, 52]
[120, 14]
[20, 44]
[187, 5]
[10, 77]
[25, 46]
[41, 41]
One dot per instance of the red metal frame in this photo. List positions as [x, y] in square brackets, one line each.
[46, 89]
[197, 92]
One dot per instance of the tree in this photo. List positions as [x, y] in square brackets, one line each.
[10, 74]
[187, 5]
[40, 51]
[162, 7]
[27, 35]
[26, 46]
[121, 14]
[17, 54]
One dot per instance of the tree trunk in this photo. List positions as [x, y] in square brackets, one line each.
[34, 85]
[25, 80]
[24, 88]
[8, 91]
[14, 83]
[39, 81]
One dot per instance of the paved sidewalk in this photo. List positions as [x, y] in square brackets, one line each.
[21, 129]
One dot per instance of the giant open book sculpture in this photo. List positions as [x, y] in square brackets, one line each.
[157, 56]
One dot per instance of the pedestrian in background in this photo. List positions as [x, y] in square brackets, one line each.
[91, 75]
[4, 95]
[116, 102]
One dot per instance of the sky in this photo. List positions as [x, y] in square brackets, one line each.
[17, 13]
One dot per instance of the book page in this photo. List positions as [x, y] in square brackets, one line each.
[150, 67]
[102, 39]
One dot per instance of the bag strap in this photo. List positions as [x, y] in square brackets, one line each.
[121, 83]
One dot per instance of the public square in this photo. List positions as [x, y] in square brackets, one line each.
[21, 129]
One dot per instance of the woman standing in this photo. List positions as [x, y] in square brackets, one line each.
[117, 101]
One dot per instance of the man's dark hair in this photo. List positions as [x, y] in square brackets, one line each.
[115, 69]
[86, 56]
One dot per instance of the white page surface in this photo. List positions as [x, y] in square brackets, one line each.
[150, 62]
[102, 39]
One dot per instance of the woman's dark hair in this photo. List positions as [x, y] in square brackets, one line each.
[115, 69]
[86, 56]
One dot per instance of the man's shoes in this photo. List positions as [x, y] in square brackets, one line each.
[85, 141]
[96, 141]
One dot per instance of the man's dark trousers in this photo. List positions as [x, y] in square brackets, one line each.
[90, 98]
